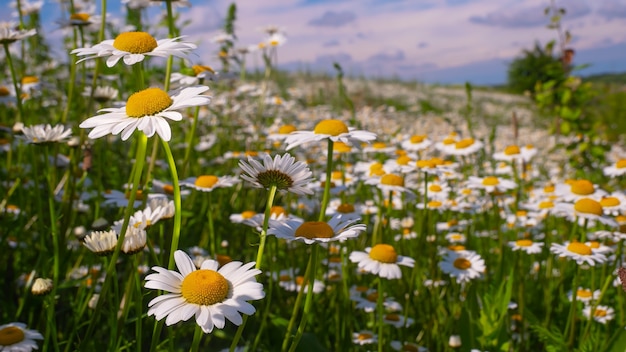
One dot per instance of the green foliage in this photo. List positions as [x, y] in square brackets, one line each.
[493, 316]
[533, 66]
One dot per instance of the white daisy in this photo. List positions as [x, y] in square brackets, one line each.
[572, 190]
[209, 294]
[407, 346]
[147, 111]
[526, 245]
[388, 183]
[601, 314]
[584, 209]
[381, 260]
[416, 143]
[397, 320]
[463, 147]
[133, 47]
[584, 295]
[462, 265]
[14, 337]
[40, 134]
[334, 130]
[338, 228]
[616, 169]
[9, 35]
[101, 242]
[579, 252]
[284, 172]
[490, 184]
[192, 76]
[207, 183]
[364, 337]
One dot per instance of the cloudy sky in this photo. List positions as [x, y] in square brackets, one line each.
[446, 41]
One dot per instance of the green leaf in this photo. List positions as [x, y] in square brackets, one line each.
[566, 128]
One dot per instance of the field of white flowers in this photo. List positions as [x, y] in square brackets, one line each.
[152, 200]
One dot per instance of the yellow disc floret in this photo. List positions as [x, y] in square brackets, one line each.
[582, 187]
[511, 150]
[206, 181]
[286, 129]
[588, 206]
[147, 102]
[331, 127]
[314, 229]
[135, 42]
[384, 253]
[491, 181]
[392, 180]
[11, 335]
[579, 248]
[205, 287]
[462, 263]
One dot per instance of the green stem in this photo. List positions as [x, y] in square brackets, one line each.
[177, 202]
[259, 261]
[16, 86]
[309, 297]
[381, 312]
[190, 141]
[329, 171]
[197, 334]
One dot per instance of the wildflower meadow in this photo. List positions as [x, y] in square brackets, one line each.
[155, 200]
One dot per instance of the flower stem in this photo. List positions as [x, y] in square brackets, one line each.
[381, 312]
[197, 336]
[310, 281]
[16, 86]
[177, 202]
[329, 171]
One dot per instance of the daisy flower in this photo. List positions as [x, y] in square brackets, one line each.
[616, 169]
[381, 260]
[416, 143]
[514, 152]
[133, 47]
[40, 134]
[388, 183]
[209, 294]
[572, 190]
[284, 172]
[338, 228]
[334, 130]
[15, 337]
[584, 209]
[490, 183]
[364, 337]
[407, 346]
[101, 243]
[463, 147]
[101, 94]
[462, 265]
[207, 183]
[577, 251]
[397, 320]
[584, 295]
[527, 246]
[9, 35]
[193, 75]
[601, 314]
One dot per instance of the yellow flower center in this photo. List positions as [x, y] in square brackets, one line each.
[434, 204]
[511, 150]
[379, 145]
[147, 102]
[548, 189]
[392, 317]
[491, 181]
[462, 263]
[336, 175]
[419, 138]
[345, 208]
[409, 348]
[546, 205]
[138, 195]
[403, 160]
[364, 336]
[80, 17]
[584, 293]
[594, 244]
[206, 181]
[286, 129]
[456, 248]
[331, 127]
[198, 69]
[449, 141]
[600, 313]
[223, 259]
[434, 188]
[462, 144]
[384, 253]
[620, 164]
[361, 289]
[299, 280]
[169, 189]
[579, 248]
[29, 79]
[582, 187]
[609, 202]
[4, 91]
[392, 180]
[11, 335]
[341, 147]
[248, 214]
[205, 287]
[334, 260]
[277, 210]
[376, 169]
[523, 243]
[314, 229]
[588, 206]
[425, 164]
[135, 42]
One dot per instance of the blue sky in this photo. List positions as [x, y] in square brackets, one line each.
[438, 41]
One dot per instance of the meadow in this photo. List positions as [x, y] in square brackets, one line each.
[154, 202]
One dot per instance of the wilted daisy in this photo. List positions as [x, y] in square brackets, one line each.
[14, 337]
[133, 47]
[42, 286]
[147, 111]
[101, 242]
[283, 172]
[334, 130]
[601, 314]
[527, 246]
[579, 252]
[381, 260]
[464, 266]
[40, 134]
[208, 183]
[338, 228]
[209, 294]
